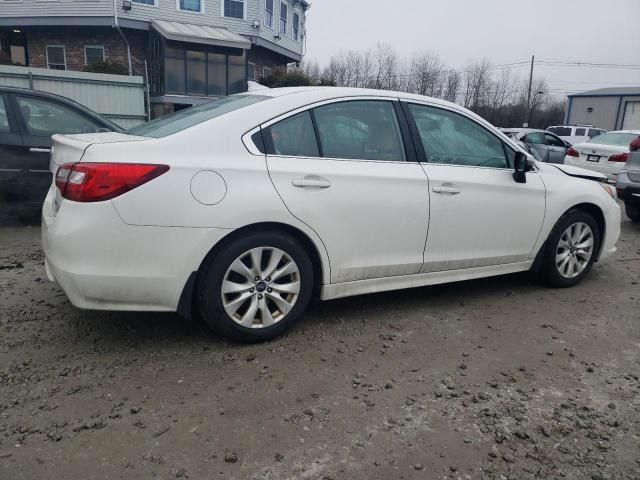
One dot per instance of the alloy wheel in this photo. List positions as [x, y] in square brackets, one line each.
[574, 250]
[260, 287]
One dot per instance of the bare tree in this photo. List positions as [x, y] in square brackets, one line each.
[452, 86]
[386, 68]
[476, 81]
[427, 74]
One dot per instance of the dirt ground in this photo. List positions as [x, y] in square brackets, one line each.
[498, 378]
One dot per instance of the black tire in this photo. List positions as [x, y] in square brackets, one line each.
[212, 273]
[550, 272]
[632, 211]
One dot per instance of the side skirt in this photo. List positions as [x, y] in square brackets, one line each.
[347, 289]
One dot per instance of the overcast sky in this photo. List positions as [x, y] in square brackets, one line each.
[503, 31]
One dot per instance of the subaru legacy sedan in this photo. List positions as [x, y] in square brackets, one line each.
[242, 210]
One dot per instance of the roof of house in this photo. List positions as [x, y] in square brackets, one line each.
[612, 91]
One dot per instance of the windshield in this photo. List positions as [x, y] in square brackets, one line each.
[613, 138]
[178, 121]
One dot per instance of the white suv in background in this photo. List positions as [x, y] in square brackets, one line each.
[576, 133]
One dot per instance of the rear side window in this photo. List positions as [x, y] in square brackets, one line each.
[560, 131]
[450, 138]
[553, 141]
[45, 118]
[178, 121]
[295, 136]
[580, 132]
[363, 129]
[4, 118]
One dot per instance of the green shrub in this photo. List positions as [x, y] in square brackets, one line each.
[107, 67]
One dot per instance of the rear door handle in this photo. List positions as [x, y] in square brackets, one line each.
[311, 182]
[40, 150]
[446, 189]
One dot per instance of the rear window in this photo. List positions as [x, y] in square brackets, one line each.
[178, 121]
[615, 139]
[560, 131]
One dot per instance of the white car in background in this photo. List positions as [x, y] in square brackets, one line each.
[575, 133]
[606, 153]
[243, 209]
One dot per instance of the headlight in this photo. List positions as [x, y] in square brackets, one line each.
[610, 190]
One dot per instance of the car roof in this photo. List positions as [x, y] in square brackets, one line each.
[27, 92]
[523, 130]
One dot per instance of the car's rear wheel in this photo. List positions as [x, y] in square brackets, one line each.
[571, 249]
[255, 287]
[632, 211]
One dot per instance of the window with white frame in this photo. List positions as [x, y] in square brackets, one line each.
[251, 71]
[190, 5]
[234, 8]
[266, 72]
[283, 18]
[151, 3]
[268, 13]
[296, 26]
[93, 54]
[56, 58]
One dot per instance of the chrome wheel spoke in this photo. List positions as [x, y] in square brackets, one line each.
[280, 302]
[241, 269]
[233, 287]
[250, 315]
[293, 287]
[585, 244]
[267, 317]
[288, 269]
[233, 306]
[561, 256]
[256, 262]
[274, 261]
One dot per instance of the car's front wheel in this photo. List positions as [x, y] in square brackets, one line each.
[255, 287]
[571, 249]
[632, 211]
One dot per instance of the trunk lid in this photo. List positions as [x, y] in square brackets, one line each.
[595, 153]
[71, 148]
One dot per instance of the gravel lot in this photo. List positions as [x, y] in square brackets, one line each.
[498, 378]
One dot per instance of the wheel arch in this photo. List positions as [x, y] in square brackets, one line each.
[186, 303]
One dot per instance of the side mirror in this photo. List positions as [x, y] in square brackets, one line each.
[520, 168]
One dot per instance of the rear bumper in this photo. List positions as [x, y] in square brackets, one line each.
[611, 171]
[104, 264]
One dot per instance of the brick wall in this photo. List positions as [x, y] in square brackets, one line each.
[265, 58]
[75, 38]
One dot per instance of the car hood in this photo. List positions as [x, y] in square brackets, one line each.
[580, 172]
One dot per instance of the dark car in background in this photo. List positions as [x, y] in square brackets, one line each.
[628, 182]
[28, 119]
[544, 146]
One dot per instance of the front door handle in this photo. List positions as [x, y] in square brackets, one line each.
[307, 182]
[446, 189]
[40, 150]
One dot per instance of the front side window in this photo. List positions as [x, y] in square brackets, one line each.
[234, 8]
[44, 118]
[190, 5]
[553, 140]
[453, 139]
[56, 58]
[93, 54]
[268, 13]
[4, 118]
[366, 130]
[283, 18]
[295, 136]
[296, 25]
[535, 138]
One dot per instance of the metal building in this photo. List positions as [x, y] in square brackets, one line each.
[608, 108]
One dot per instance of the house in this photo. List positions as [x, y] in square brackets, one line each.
[188, 50]
[608, 108]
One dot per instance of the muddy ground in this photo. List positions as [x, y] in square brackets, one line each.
[498, 378]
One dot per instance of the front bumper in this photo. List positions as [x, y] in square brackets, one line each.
[104, 264]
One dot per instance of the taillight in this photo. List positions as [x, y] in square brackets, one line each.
[95, 182]
[572, 152]
[621, 157]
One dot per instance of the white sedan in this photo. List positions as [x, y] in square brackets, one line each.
[244, 209]
[606, 153]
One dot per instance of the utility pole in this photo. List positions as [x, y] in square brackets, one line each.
[526, 123]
